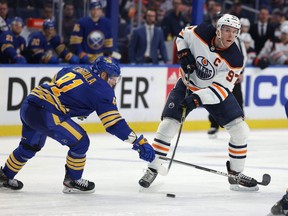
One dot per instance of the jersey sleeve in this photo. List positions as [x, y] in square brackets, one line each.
[76, 37]
[111, 118]
[183, 38]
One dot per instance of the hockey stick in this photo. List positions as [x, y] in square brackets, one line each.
[182, 121]
[266, 178]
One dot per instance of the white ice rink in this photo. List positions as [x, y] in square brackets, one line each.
[116, 169]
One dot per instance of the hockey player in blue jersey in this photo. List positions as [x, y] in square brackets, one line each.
[47, 111]
[12, 44]
[47, 47]
[92, 35]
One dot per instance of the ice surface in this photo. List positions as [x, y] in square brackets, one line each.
[116, 169]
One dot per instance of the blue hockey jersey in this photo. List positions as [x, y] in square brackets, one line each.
[92, 37]
[77, 91]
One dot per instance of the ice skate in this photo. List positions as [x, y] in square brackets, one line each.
[148, 177]
[281, 207]
[77, 186]
[12, 184]
[212, 132]
[242, 182]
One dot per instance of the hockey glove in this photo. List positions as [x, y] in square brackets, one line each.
[191, 102]
[187, 60]
[145, 150]
[262, 63]
[72, 58]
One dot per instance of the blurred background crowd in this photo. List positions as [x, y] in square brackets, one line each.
[78, 31]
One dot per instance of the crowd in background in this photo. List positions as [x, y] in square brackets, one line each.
[85, 36]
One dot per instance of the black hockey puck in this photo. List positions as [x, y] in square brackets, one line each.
[170, 195]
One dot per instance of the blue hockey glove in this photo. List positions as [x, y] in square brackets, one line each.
[145, 150]
[187, 60]
[191, 102]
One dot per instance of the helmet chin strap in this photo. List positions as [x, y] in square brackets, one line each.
[220, 39]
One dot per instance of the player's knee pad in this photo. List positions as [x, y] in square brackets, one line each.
[81, 147]
[167, 129]
[27, 151]
[238, 130]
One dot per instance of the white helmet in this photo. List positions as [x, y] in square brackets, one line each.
[245, 22]
[229, 20]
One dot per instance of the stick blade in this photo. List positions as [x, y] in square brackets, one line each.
[265, 180]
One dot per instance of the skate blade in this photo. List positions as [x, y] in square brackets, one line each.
[212, 136]
[236, 187]
[68, 190]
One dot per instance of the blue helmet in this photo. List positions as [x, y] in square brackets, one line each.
[17, 19]
[47, 24]
[95, 4]
[107, 64]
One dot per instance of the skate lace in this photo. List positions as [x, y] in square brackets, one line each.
[244, 177]
[82, 182]
[149, 176]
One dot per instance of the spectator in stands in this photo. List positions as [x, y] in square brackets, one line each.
[4, 11]
[248, 41]
[3, 25]
[92, 35]
[12, 44]
[245, 27]
[158, 6]
[47, 12]
[46, 46]
[277, 19]
[214, 8]
[274, 52]
[262, 30]
[147, 41]
[238, 11]
[173, 21]
[16, 27]
[69, 20]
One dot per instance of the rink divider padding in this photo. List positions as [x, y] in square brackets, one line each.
[141, 95]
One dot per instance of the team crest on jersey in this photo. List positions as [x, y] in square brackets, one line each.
[95, 40]
[205, 70]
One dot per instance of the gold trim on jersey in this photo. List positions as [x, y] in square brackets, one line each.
[108, 42]
[13, 164]
[76, 39]
[110, 118]
[44, 94]
[68, 127]
[5, 46]
[60, 48]
[75, 163]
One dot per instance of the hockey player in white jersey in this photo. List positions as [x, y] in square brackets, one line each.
[210, 65]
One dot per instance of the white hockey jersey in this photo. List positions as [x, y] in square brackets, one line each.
[217, 69]
[275, 51]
